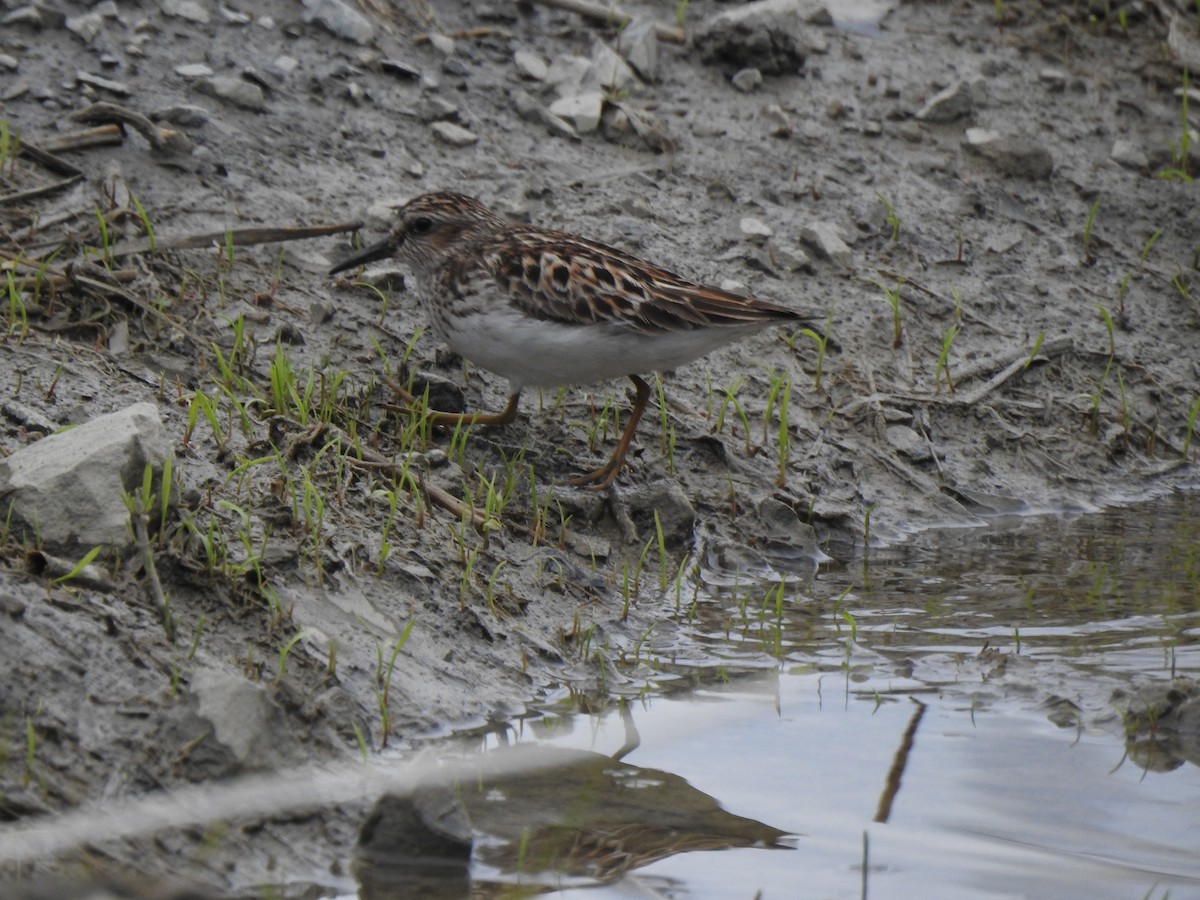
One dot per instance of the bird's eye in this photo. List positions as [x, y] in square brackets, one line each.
[422, 225]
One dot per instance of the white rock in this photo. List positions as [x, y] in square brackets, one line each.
[238, 92]
[608, 69]
[581, 110]
[86, 26]
[1130, 155]
[566, 73]
[186, 9]
[747, 80]
[66, 488]
[233, 16]
[639, 46]
[344, 21]
[193, 70]
[827, 240]
[978, 137]
[454, 135]
[754, 228]
[530, 65]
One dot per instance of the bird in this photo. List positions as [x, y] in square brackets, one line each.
[546, 308]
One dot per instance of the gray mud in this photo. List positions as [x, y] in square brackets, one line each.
[1049, 408]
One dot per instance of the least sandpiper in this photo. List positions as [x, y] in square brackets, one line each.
[546, 308]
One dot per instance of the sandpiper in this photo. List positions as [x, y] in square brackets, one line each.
[547, 308]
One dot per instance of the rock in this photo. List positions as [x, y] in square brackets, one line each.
[532, 111]
[454, 135]
[771, 35]
[193, 70]
[29, 16]
[186, 115]
[754, 228]
[438, 109]
[186, 9]
[86, 26]
[452, 65]
[1184, 41]
[1130, 155]
[1011, 154]
[747, 80]
[236, 91]
[8, 62]
[608, 70]
[400, 69]
[246, 720]
[955, 102]
[581, 111]
[566, 73]
[443, 44]
[530, 65]
[340, 19]
[1054, 79]
[639, 46]
[66, 488]
[827, 240]
[232, 16]
[790, 258]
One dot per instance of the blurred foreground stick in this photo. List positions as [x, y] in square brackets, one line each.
[600, 13]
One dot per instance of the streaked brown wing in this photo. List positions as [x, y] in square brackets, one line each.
[563, 278]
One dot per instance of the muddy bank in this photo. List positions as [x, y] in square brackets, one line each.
[984, 210]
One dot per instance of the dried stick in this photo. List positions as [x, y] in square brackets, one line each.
[81, 140]
[164, 140]
[598, 13]
[239, 237]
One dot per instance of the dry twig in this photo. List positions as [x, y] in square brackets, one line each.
[598, 13]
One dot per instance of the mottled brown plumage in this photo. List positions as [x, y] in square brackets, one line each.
[547, 308]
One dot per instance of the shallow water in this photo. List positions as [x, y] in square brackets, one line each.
[979, 713]
[997, 651]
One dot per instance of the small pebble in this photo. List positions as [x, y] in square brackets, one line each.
[188, 10]
[193, 70]
[754, 228]
[238, 92]
[747, 80]
[442, 44]
[530, 65]
[454, 135]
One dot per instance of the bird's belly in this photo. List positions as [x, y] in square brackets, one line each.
[542, 353]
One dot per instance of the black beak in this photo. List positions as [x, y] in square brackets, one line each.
[364, 256]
